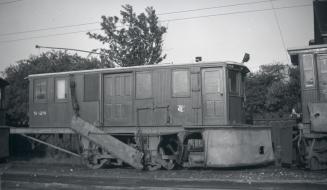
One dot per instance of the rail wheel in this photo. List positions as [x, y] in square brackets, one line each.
[93, 162]
[302, 147]
[153, 167]
[169, 152]
[170, 164]
[314, 163]
[94, 157]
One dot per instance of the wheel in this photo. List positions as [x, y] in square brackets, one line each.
[93, 162]
[166, 162]
[169, 152]
[170, 164]
[153, 167]
[314, 163]
[93, 156]
[302, 152]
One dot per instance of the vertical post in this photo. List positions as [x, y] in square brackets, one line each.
[73, 96]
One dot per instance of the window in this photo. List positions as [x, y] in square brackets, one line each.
[181, 83]
[234, 79]
[322, 65]
[322, 61]
[91, 87]
[243, 84]
[40, 90]
[143, 85]
[61, 89]
[213, 80]
[308, 71]
[1, 102]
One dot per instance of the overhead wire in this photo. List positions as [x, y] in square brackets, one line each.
[50, 35]
[279, 29]
[167, 20]
[48, 28]
[214, 7]
[165, 13]
[235, 12]
[9, 2]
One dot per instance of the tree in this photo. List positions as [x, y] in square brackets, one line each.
[274, 88]
[133, 39]
[17, 91]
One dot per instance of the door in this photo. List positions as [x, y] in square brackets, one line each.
[117, 98]
[213, 96]
[162, 94]
[322, 76]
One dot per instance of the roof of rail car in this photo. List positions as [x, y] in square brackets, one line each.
[307, 49]
[295, 52]
[117, 69]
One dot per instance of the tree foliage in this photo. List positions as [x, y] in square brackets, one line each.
[132, 39]
[17, 91]
[274, 88]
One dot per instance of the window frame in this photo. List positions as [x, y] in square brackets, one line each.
[88, 99]
[322, 74]
[35, 99]
[238, 75]
[189, 83]
[325, 60]
[66, 89]
[136, 86]
[314, 75]
[1, 98]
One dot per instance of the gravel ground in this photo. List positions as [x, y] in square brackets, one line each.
[244, 175]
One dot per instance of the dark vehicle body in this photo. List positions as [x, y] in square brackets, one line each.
[186, 114]
[4, 131]
[312, 141]
[203, 94]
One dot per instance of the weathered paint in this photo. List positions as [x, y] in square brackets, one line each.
[162, 108]
[4, 142]
[307, 96]
[318, 116]
[312, 137]
[236, 111]
[117, 107]
[114, 146]
[214, 96]
[317, 92]
[118, 104]
[228, 147]
[3, 84]
[54, 113]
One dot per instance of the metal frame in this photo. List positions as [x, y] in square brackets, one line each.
[51, 145]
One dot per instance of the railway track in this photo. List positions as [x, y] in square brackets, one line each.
[42, 176]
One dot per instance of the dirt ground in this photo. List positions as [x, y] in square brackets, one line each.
[37, 174]
[268, 173]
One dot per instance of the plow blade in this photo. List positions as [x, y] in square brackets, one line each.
[112, 145]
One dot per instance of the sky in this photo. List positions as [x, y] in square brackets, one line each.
[216, 30]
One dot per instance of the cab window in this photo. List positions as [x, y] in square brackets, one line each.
[40, 90]
[308, 72]
[322, 60]
[1, 101]
[234, 80]
[322, 65]
[61, 89]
